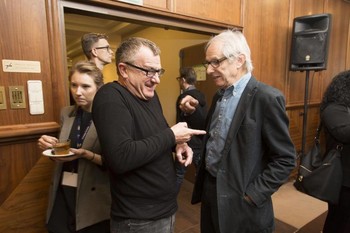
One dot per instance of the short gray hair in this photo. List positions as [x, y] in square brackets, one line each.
[131, 46]
[233, 44]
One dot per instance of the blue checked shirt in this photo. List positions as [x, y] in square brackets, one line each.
[221, 121]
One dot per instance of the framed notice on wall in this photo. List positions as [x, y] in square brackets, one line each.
[200, 72]
[136, 2]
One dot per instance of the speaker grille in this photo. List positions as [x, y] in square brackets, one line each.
[309, 49]
[310, 42]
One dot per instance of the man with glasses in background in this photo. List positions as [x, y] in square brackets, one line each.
[248, 153]
[137, 143]
[96, 48]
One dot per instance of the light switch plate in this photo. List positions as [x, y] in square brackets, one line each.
[17, 97]
[2, 98]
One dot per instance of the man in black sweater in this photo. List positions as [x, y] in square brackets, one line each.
[137, 143]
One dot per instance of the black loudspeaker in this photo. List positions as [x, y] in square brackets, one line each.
[310, 42]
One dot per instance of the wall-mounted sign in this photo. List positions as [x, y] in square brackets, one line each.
[137, 2]
[201, 72]
[21, 66]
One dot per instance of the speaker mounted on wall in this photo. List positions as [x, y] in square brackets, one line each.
[310, 42]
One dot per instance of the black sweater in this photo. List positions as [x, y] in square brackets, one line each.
[137, 147]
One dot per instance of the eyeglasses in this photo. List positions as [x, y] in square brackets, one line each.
[215, 63]
[104, 47]
[149, 73]
[178, 78]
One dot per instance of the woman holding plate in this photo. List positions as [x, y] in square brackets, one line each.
[79, 198]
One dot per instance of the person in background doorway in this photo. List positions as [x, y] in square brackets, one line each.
[97, 49]
[80, 197]
[335, 116]
[187, 81]
[137, 142]
[248, 152]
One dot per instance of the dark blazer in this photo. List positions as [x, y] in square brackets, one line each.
[257, 159]
[93, 200]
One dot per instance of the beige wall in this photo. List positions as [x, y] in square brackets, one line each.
[109, 71]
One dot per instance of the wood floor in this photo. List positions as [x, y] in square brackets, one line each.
[188, 215]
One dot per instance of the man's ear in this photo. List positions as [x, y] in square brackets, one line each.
[240, 60]
[93, 52]
[122, 70]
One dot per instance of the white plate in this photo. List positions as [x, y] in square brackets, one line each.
[49, 154]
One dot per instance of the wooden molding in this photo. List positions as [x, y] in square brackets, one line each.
[23, 132]
[154, 15]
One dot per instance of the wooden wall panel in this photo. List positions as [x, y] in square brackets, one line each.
[266, 29]
[219, 10]
[16, 162]
[252, 29]
[25, 209]
[297, 84]
[161, 4]
[24, 37]
[309, 7]
[348, 49]
[295, 123]
[337, 55]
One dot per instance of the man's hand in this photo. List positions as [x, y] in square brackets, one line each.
[184, 154]
[183, 133]
[188, 104]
